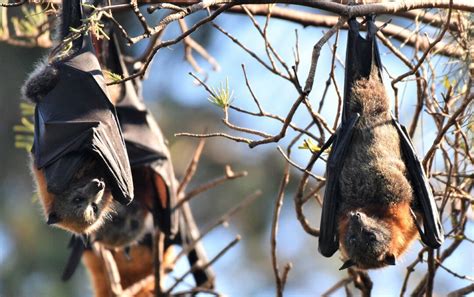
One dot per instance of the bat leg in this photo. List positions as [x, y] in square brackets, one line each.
[328, 241]
[433, 235]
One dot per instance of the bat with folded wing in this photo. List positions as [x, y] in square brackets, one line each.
[79, 158]
[377, 197]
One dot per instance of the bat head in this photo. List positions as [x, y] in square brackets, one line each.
[127, 225]
[81, 206]
[366, 242]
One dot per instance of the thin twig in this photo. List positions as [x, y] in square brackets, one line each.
[192, 166]
[204, 266]
[229, 175]
[222, 220]
[279, 279]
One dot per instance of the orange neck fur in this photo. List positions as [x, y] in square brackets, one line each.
[132, 271]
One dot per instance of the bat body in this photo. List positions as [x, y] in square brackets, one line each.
[79, 159]
[375, 183]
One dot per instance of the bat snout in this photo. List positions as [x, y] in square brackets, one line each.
[97, 185]
[356, 217]
[94, 189]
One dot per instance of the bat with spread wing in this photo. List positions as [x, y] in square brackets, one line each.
[377, 195]
[80, 161]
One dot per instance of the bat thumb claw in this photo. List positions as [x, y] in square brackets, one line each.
[347, 264]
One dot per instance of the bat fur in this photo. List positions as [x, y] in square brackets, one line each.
[375, 224]
[136, 268]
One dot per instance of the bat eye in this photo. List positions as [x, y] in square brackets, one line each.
[372, 237]
[78, 199]
[95, 208]
[352, 239]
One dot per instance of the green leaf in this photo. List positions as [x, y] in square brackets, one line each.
[308, 144]
[24, 132]
[113, 76]
[221, 96]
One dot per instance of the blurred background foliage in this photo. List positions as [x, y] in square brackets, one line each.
[32, 255]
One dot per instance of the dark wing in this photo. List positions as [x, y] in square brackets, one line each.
[145, 143]
[433, 235]
[77, 246]
[362, 59]
[151, 163]
[328, 239]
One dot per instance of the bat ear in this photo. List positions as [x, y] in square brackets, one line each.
[390, 259]
[53, 218]
[347, 264]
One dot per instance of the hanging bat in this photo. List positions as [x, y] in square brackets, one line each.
[153, 171]
[376, 191]
[79, 157]
[154, 180]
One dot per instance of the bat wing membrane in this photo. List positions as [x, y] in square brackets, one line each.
[328, 239]
[77, 247]
[433, 235]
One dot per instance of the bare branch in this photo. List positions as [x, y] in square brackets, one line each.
[280, 279]
[204, 266]
[229, 175]
[191, 169]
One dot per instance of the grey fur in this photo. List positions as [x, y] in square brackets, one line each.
[83, 204]
[40, 82]
[374, 171]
